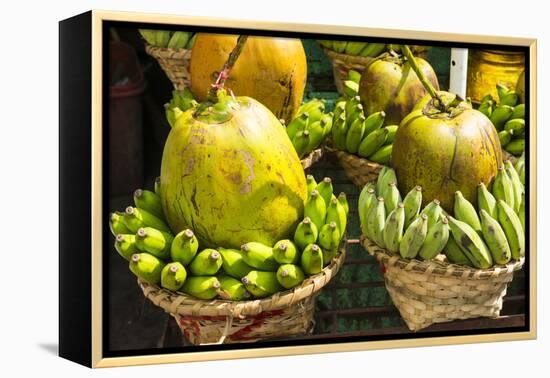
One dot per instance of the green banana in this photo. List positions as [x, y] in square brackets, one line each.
[413, 204]
[511, 225]
[184, 247]
[502, 187]
[486, 108]
[383, 155]
[149, 36]
[202, 287]
[394, 227]
[515, 127]
[315, 209]
[339, 46]
[290, 275]
[324, 188]
[117, 225]
[155, 242]
[301, 142]
[392, 197]
[502, 90]
[355, 113]
[385, 176]
[436, 239]
[206, 263]
[261, 284]
[354, 76]
[351, 106]
[392, 129]
[494, 236]
[135, 218]
[517, 186]
[259, 256]
[336, 213]
[520, 162]
[173, 276]
[339, 131]
[310, 183]
[178, 40]
[414, 237]
[191, 42]
[471, 244]
[433, 210]
[454, 253]
[232, 289]
[373, 49]
[306, 233]
[312, 259]
[343, 199]
[297, 124]
[511, 98]
[376, 220]
[329, 240]
[521, 213]
[355, 47]
[486, 201]
[519, 112]
[516, 147]
[500, 115]
[326, 43]
[233, 263]
[316, 135]
[366, 197]
[372, 142]
[339, 109]
[314, 107]
[162, 37]
[522, 174]
[464, 211]
[351, 88]
[157, 185]
[125, 245]
[505, 137]
[374, 122]
[285, 252]
[355, 134]
[147, 267]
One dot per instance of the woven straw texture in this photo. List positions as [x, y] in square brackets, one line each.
[312, 158]
[174, 62]
[342, 63]
[358, 169]
[428, 292]
[284, 314]
[508, 156]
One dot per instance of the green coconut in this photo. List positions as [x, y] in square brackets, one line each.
[445, 150]
[230, 173]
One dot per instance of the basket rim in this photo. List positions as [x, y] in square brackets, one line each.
[166, 52]
[184, 304]
[346, 155]
[312, 158]
[442, 268]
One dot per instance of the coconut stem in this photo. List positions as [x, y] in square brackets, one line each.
[228, 65]
[427, 85]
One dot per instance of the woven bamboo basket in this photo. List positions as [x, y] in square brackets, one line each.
[313, 157]
[284, 314]
[428, 292]
[342, 63]
[359, 170]
[174, 62]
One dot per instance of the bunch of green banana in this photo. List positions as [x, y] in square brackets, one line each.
[310, 126]
[169, 39]
[508, 117]
[176, 262]
[181, 101]
[355, 48]
[357, 133]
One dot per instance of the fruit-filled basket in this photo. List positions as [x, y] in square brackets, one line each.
[284, 314]
[172, 50]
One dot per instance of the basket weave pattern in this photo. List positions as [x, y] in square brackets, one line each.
[174, 62]
[428, 292]
[284, 314]
[342, 63]
[312, 158]
[359, 170]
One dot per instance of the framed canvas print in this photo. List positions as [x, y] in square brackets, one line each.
[235, 189]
